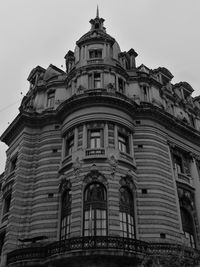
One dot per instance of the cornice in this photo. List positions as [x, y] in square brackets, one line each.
[99, 98]
[98, 66]
[95, 98]
[148, 111]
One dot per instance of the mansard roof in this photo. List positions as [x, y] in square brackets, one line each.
[34, 71]
[52, 71]
[165, 71]
[95, 35]
[186, 85]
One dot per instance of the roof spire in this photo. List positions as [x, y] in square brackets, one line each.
[97, 16]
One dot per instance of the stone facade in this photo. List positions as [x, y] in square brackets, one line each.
[102, 164]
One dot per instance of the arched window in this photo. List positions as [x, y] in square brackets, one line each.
[126, 213]
[188, 227]
[95, 210]
[65, 215]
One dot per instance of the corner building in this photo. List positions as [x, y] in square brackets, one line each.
[102, 164]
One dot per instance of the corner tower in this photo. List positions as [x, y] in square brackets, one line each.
[102, 164]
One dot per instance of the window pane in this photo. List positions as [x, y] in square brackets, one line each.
[98, 232]
[86, 233]
[103, 232]
[104, 224]
[103, 214]
[98, 224]
[87, 215]
[98, 214]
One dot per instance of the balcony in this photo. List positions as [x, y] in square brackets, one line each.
[102, 245]
[183, 178]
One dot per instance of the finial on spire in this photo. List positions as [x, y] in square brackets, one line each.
[97, 16]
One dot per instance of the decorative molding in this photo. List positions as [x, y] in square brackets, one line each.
[128, 181]
[77, 167]
[113, 164]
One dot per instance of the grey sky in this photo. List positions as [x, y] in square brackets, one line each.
[40, 32]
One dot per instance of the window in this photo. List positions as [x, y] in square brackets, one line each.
[126, 213]
[95, 53]
[121, 85]
[95, 210]
[97, 80]
[65, 215]
[178, 164]
[94, 80]
[50, 99]
[188, 227]
[95, 138]
[69, 145]
[123, 143]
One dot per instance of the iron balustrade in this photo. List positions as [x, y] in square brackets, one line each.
[95, 152]
[133, 247]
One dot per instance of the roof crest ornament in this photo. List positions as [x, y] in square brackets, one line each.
[97, 16]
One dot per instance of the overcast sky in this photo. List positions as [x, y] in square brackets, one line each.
[40, 32]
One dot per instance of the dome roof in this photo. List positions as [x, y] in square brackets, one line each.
[95, 35]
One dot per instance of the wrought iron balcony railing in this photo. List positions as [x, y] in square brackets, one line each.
[95, 152]
[132, 247]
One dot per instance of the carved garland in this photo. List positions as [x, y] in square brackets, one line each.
[128, 181]
[65, 184]
[95, 176]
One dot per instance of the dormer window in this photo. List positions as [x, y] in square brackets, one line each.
[95, 53]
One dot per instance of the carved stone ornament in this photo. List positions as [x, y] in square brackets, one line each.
[113, 163]
[128, 181]
[65, 184]
[80, 89]
[171, 144]
[94, 176]
[77, 166]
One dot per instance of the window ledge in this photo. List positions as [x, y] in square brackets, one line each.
[126, 156]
